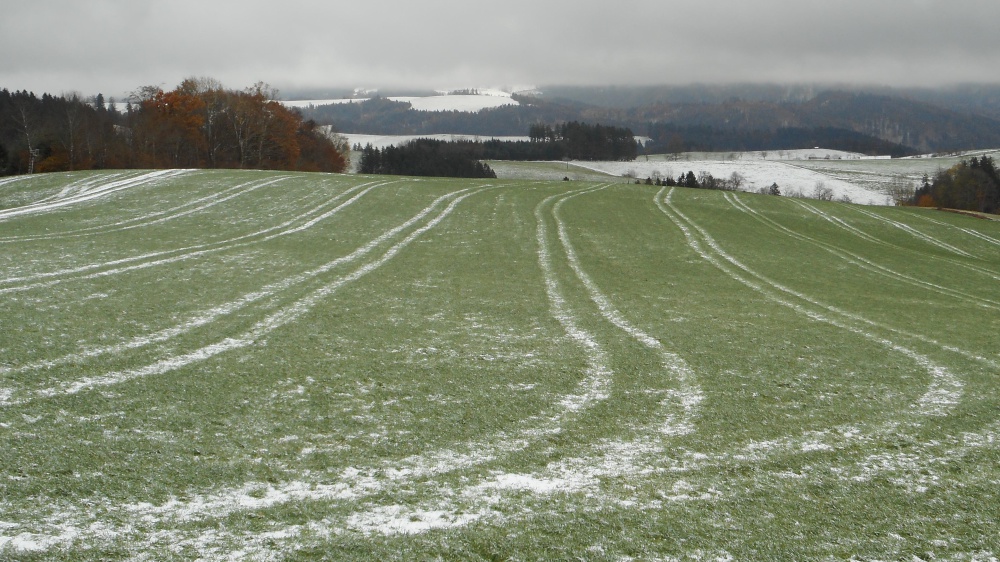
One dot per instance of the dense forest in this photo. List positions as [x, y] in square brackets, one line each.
[425, 157]
[974, 98]
[197, 125]
[580, 141]
[971, 185]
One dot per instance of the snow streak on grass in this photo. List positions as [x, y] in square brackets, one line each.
[896, 246]
[274, 321]
[916, 233]
[84, 195]
[689, 396]
[860, 261]
[598, 371]
[258, 366]
[945, 389]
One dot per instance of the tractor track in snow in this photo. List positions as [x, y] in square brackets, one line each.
[285, 315]
[969, 231]
[165, 257]
[840, 223]
[355, 484]
[89, 195]
[915, 233]
[156, 217]
[945, 389]
[860, 261]
[689, 395]
[483, 493]
[498, 498]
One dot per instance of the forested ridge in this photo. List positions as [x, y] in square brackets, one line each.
[199, 124]
[770, 119]
[381, 116]
[669, 138]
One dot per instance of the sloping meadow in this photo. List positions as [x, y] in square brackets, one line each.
[269, 366]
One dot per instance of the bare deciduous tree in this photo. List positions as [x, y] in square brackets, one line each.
[822, 192]
[901, 190]
[736, 181]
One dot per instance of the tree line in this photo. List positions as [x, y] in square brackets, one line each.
[580, 141]
[703, 180]
[566, 141]
[970, 185]
[425, 157]
[199, 124]
[671, 138]
[463, 158]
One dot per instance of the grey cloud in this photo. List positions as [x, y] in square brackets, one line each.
[117, 45]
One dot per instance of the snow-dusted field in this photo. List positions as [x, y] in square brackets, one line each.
[817, 153]
[471, 104]
[317, 103]
[849, 176]
[242, 365]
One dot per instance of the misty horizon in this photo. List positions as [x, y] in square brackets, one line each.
[116, 46]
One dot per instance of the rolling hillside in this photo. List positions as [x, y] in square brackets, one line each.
[287, 366]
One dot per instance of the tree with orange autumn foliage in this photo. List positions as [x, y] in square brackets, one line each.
[175, 123]
[971, 185]
[199, 124]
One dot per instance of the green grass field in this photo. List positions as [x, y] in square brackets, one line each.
[236, 365]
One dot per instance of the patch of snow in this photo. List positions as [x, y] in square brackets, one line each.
[463, 103]
[530, 483]
[816, 446]
[406, 520]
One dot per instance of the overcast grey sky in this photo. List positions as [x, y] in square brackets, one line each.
[115, 46]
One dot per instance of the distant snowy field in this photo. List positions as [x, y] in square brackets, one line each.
[848, 176]
[486, 99]
[757, 173]
[816, 153]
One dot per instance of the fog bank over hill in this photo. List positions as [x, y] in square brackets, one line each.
[979, 98]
